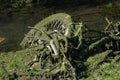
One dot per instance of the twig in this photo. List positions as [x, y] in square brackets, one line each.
[96, 44]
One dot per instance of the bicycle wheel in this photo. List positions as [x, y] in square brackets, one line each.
[55, 25]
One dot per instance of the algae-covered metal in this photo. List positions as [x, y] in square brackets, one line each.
[50, 40]
[47, 29]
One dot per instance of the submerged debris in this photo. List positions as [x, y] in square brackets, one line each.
[56, 49]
